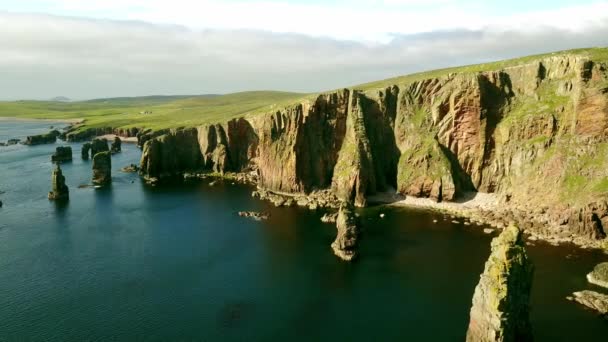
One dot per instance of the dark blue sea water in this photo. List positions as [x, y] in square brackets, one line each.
[175, 262]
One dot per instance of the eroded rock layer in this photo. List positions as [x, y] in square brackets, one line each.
[534, 134]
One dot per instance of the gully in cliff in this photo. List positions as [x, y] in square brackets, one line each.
[59, 191]
[345, 245]
[501, 303]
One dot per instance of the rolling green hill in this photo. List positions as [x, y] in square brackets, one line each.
[176, 111]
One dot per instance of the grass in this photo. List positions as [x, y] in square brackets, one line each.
[179, 111]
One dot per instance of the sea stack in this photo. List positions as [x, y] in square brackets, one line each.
[62, 154]
[99, 145]
[501, 303]
[84, 152]
[346, 242]
[59, 191]
[116, 145]
[102, 168]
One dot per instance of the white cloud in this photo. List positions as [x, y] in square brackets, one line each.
[44, 56]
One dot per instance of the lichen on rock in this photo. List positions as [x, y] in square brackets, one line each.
[501, 303]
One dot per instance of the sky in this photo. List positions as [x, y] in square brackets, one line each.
[90, 49]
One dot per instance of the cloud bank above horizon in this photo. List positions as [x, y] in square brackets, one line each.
[133, 48]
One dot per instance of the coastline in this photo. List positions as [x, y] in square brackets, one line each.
[110, 137]
[69, 121]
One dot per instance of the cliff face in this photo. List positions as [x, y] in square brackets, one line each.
[535, 134]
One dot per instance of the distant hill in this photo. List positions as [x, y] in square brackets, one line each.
[60, 99]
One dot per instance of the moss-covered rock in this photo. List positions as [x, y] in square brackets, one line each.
[62, 154]
[345, 245]
[59, 190]
[501, 303]
[599, 275]
[102, 168]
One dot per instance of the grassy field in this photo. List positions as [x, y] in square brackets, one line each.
[176, 111]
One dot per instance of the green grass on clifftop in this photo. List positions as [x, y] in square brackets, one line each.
[153, 111]
[158, 112]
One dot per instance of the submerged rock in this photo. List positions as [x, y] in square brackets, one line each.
[99, 145]
[501, 303]
[254, 215]
[62, 154]
[102, 168]
[59, 190]
[346, 242]
[599, 275]
[116, 145]
[84, 152]
[130, 168]
[593, 300]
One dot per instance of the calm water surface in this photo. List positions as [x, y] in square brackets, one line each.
[133, 262]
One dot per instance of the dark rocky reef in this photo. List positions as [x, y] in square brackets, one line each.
[345, 245]
[116, 145]
[501, 303]
[62, 154]
[48, 138]
[102, 168]
[59, 190]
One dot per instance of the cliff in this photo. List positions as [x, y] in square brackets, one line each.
[534, 133]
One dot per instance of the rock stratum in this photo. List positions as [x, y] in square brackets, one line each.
[534, 134]
[501, 303]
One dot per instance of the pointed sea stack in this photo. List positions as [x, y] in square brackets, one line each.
[116, 145]
[346, 242]
[59, 191]
[501, 303]
[102, 168]
[84, 152]
[62, 154]
[99, 145]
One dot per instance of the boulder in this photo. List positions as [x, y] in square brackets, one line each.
[501, 303]
[346, 241]
[62, 154]
[116, 145]
[593, 300]
[599, 275]
[59, 191]
[99, 145]
[102, 168]
[84, 152]
[12, 141]
[130, 168]
[254, 215]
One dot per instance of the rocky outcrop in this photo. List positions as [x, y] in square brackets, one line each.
[59, 191]
[62, 154]
[99, 145]
[75, 133]
[85, 150]
[48, 138]
[345, 245]
[116, 145]
[102, 168]
[595, 301]
[599, 275]
[534, 134]
[501, 303]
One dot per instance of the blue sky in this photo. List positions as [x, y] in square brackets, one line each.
[89, 49]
